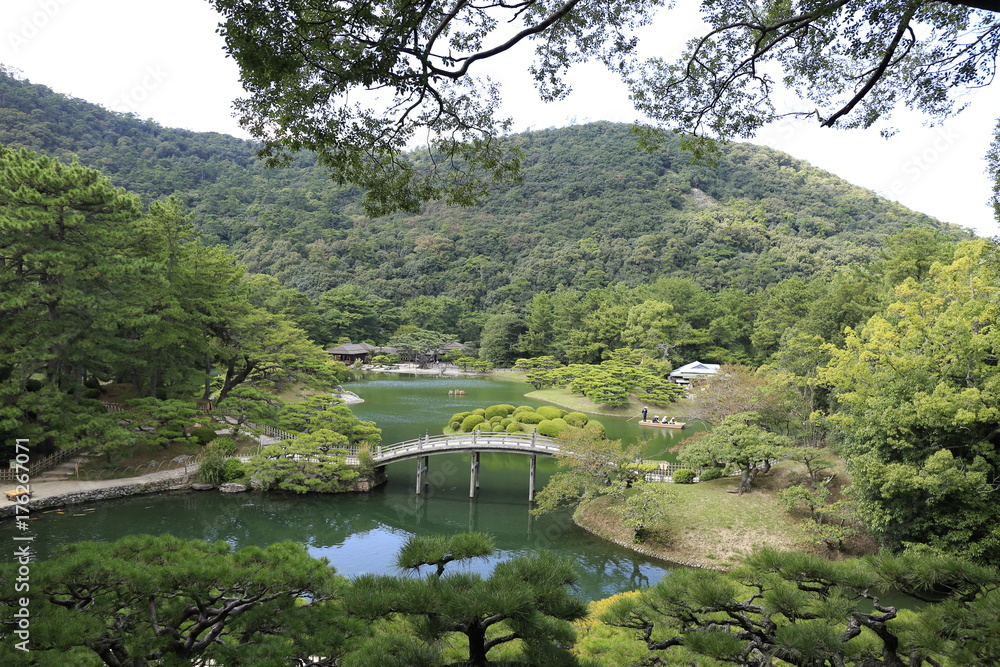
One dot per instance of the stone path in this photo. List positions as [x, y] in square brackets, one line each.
[47, 488]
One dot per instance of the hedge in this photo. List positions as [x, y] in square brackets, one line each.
[684, 476]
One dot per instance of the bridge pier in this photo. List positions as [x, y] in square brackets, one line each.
[422, 465]
[474, 475]
[531, 479]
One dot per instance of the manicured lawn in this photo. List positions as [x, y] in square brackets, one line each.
[707, 524]
[567, 399]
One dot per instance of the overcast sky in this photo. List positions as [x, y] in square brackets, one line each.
[162, 59]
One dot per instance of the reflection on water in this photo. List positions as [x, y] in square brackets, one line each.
[361, 533]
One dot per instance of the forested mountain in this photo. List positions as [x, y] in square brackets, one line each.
[592, 210]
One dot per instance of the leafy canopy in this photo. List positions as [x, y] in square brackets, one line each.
[359, 84]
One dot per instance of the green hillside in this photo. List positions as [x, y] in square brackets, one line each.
[591, 210]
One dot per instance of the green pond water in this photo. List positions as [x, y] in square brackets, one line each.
[361, 533]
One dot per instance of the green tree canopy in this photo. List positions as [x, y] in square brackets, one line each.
[355, 88]
[738, 444]
[161, 600]
[807, 611]
[525, 598]
[916, 389]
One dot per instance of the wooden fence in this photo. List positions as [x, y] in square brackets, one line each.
[36, 468]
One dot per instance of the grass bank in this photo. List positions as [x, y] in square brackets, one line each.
[565, 398]
[708, 526]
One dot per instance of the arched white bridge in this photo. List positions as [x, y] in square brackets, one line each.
[477, 442]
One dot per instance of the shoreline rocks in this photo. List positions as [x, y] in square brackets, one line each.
[231, 487]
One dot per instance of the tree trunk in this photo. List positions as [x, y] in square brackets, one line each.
[477, 644]
[207, 394]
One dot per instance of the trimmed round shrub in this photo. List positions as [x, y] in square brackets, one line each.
[595, 426]
[496, 419]
[455, 426]
[479, 411]
[552, 427]
[500, 410]
[577, 419]
[471, 422]
[506, 421]
[530, 418]
[684, 476]
[232, 470]
[708, 474]
[459, 416]
[483, 427]
[203, 434]
[514, 427]
[550, 412]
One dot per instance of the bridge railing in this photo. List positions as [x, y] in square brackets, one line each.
[520, 442]
[513, 441]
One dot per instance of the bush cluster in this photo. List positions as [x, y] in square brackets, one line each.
[709, 474]
[684, 476]
[203, 434]
[547, 420]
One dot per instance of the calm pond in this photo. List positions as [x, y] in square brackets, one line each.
[361, 533]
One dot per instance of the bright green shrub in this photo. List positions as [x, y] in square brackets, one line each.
[483, 427]
[500, 410]
[506, 421]
[595, 426]
[529, 418]
[479, 411]
[471, 422]
[577, 419]
[708, 474]
[459, 416]
[232, 470]
[514, 427]
[550, 412]
[552, 427]
[203, 434]
[684, 476]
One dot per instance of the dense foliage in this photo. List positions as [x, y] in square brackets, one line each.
[356, 88]
[98, 288]
[916, 405]
[811, 612]
[147, 600]
[591, 210]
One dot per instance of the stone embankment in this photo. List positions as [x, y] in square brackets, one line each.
[71, 492]
[68, 492]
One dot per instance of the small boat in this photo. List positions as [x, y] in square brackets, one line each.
[662, 424]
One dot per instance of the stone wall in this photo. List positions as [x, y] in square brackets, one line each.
[178, 479]
[167, 481]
